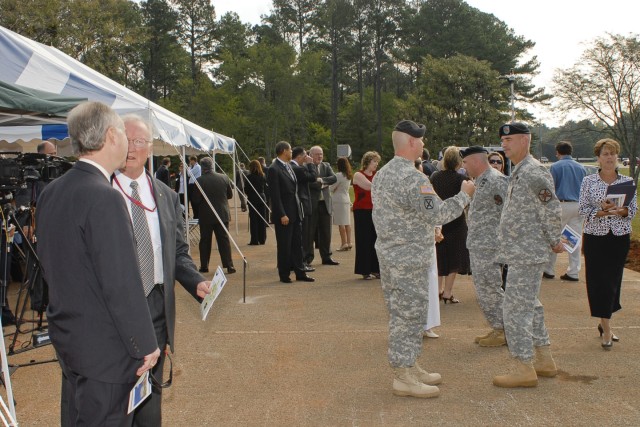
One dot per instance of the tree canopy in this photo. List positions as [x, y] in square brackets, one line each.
[323, 72]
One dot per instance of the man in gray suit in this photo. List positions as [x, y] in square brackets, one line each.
[171, 259]
[217, 188]
[98, 318]
[321, 206]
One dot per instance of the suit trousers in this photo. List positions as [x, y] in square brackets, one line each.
[222, 239]
[195, 207]
[87, 402]
[321, 230]
[289, 244]
[307, 240]
[149, 413]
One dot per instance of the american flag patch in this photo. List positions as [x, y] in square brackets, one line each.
[427, 189]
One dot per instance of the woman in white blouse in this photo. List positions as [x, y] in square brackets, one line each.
[607, 231]
[342, 203]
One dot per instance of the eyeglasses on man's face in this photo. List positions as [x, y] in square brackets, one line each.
[138, 142]
[495, 161]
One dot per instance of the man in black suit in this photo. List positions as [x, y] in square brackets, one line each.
[217, 189]
[287, 215]
[99, 323]
[321, 205]
[306, 173]
[162, 173]
[171, 259]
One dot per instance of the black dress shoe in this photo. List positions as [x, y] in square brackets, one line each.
[548, 276]
[305, 278]
[329, 261]
[308, 269]
[203, 270]
[286, 280]
[569, 278]
[231, 270]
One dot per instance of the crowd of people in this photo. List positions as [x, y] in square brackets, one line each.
[417, 224]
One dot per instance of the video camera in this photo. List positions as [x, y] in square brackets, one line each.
[16, 171]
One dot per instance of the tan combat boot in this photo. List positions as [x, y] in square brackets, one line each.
[426, 377]
[524, 377]
[481, 337]
[495, 339]
[406, 384]
[544, 364]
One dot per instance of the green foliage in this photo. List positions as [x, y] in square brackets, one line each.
[460, 99]
[606, 84]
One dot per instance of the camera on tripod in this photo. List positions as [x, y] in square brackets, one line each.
[16, 171]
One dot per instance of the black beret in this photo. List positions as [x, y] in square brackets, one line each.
[475, 149]
[411, 128]
[514, 128]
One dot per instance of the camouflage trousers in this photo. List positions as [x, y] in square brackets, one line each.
[487, 279]
[522, 311]
[407, 298]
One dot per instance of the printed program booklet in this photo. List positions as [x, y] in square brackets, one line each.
[139, 392]
[621, 194]
[570, 239]
[217, 283]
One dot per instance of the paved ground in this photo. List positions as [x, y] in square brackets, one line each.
[315, 355]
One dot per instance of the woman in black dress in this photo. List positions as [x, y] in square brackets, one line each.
[258, 211]
[606, 237]
[452, 252]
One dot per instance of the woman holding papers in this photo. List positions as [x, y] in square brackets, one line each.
[607, 231]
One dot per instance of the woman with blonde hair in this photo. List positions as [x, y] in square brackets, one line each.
[606, 237]
[342, 203]
[452, 252]
[365, 233]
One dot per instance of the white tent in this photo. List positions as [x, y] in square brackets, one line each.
[33, 65]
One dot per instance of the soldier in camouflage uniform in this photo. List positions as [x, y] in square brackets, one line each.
[529, 225]
[405, 212]
[484, 222]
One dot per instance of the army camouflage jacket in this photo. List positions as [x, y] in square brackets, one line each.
[405, 212]
[531, 216]
[484, 211]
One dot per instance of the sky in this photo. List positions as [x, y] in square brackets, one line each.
[560, 28]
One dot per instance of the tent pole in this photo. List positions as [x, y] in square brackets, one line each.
[185, 177]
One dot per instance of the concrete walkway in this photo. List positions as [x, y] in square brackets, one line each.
[314, 354]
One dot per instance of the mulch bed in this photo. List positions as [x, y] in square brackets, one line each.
[633, 259]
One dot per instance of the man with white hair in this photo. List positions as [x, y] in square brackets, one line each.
[98, 318]
[406, 210]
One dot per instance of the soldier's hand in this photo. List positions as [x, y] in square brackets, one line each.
[559, 248]
[468, 187]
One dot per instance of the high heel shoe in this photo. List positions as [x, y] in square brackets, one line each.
[440, 295]
[450, 300]
[613, 336]
[343, 248]
[607, 345]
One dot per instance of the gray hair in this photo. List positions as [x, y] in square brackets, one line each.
[206, 164]
[132, 118]
[88, 124]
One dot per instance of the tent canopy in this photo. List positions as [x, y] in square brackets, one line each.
[21, 106]
[33, 65]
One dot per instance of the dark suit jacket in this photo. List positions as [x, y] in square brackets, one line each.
[98, 318]
[163, 174]
[176, 261]
[284, 194]
[305, 175]
[217, 188]
[328, 178]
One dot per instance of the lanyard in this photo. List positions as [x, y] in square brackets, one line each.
[138, 202]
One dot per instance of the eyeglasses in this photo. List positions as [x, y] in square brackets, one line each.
[138, 142]
[167, 383]
[495, 161]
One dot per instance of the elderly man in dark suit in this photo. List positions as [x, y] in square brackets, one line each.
[287, 214]
[99, 323]
[321, 206]
[306, 173]
[216, 188]
[170, 253]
